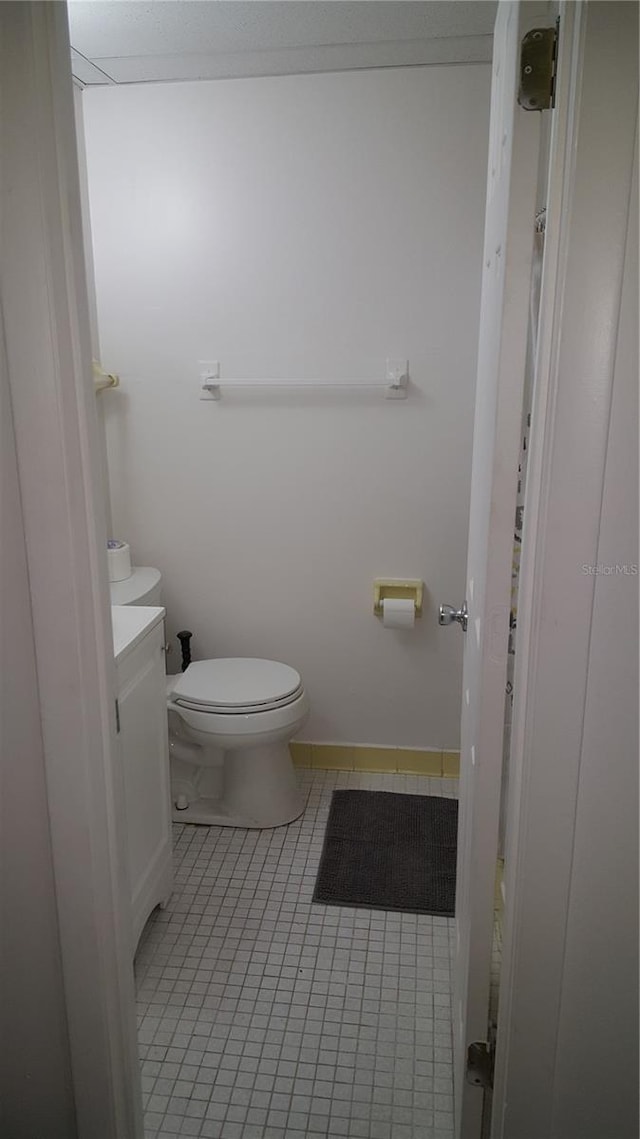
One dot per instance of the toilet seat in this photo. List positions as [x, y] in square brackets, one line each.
[230, 723]
[236, 686]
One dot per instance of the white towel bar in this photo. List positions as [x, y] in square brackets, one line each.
[395, 388]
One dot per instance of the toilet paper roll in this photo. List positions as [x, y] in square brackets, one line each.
[398, 613]
[119, 560]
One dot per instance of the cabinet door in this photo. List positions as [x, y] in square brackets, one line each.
[145, 759]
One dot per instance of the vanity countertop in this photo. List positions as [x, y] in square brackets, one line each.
[130, 624]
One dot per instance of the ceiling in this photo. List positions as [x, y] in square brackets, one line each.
[128, 41]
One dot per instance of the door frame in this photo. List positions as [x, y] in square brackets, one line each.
[49, 363]
[43, 295]
[589, 197]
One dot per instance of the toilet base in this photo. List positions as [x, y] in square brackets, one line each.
[209, 812]
[255, 788]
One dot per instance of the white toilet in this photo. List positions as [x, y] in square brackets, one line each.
[230, 722]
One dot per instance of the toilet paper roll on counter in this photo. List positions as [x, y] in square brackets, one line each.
[118, 560]
[398, 613]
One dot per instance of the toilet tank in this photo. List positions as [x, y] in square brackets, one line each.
[142, 588]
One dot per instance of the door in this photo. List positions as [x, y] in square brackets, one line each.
[514, 146]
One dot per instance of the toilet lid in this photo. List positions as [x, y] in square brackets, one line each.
[236, 684]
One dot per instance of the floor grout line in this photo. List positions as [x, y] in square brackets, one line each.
[263, 1015]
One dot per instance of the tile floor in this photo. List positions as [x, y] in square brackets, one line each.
[264, 1016]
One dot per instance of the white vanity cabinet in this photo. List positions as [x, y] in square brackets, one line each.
[144, 754]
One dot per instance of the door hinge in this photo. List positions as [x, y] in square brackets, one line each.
[117, 718]
[538, 54]
[480, 1063]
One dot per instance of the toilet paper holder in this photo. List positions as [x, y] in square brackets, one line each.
[408, 589]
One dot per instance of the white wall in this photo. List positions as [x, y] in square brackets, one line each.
[298, 227]
[91, 292]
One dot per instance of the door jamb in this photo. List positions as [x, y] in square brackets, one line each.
[532, 847]
[45, 309]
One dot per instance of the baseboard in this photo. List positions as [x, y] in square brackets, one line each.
[357, 757]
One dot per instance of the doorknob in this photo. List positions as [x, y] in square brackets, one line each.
[448, 615]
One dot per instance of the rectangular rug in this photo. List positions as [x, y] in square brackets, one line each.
[389, 852]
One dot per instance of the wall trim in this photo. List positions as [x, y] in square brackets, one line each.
[362, 757]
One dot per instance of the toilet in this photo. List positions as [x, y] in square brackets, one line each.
[230, 722]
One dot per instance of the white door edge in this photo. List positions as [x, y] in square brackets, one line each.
[45, 311]
[561, 162]
[512, 182]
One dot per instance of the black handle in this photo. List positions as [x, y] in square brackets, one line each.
[185, 637]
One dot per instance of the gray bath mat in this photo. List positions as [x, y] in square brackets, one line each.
[389, 852]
